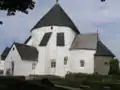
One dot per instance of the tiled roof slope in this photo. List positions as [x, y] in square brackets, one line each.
[91, 42]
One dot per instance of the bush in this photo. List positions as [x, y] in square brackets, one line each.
[114, 67]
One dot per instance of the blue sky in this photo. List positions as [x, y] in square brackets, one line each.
[88, 15]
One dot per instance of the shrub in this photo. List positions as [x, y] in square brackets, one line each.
[114, 67]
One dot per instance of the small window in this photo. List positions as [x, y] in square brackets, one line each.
[13, 48]
[60, 39]
[33, 65]
[53, 64]
[12, 66]
[82, 63]
[65, 60]
[51, 27]
[106, 63]
[45, 39]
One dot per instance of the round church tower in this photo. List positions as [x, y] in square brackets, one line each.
[53, 36]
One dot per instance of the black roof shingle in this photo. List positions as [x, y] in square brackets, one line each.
[102, 50]
[56, 16]
[27, 52]
[5, 53]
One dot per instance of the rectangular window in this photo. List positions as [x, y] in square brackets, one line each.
[65, 60]
[33, 65]
[82, 63]
[45, 39]
[60, 39]
[12, 66]
[53, 64]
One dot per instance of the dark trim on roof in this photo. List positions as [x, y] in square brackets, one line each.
[81, 49]
[102, 50]
[26, 52]
[27, 39]
[56, 17]
[5, 53]
[9, 50]
[29, 54]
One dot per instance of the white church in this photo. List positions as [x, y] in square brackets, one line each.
[57, 47]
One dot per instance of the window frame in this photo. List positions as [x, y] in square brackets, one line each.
[60, 39]
[82, 63]
[65, 60]
[53, 63]
[33, 65]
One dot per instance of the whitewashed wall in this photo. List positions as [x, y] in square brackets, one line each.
[1, 65]
[51, 51]
[87, 56]
[22, 67]
[102, 64]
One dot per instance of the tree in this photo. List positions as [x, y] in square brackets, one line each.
[114, 67]
[11, 6]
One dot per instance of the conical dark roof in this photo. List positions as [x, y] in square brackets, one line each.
[102, 50]
[56, 16]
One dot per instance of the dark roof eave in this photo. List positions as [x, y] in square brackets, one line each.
[104, 55]
[75, 30]
[81, 49]
[29, 60]
[101, 50]
[27, 39]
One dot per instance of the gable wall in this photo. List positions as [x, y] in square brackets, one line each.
[12, 56]
[100, 64]
[87, 56]
[21, 67]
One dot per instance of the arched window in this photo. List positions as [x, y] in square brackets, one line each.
[33, 65]
[53, 63]
[82, 63]
[65, 60]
